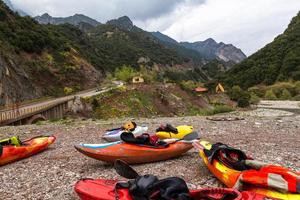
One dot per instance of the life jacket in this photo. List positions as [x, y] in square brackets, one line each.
[150, 187]
[144, 139]
[232, 158]
[167, 128]
[269, 176]
[128, 126]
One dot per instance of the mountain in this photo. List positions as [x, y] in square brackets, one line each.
[192, 57]
[210, 49]
[75, 20]
[123, 23]
[10, 5]
[277, 61]
[164, 37]
[37, 60]
[187, 51]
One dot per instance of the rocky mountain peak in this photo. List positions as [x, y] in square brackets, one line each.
[74, 20]
[122, 22]
[209, 41]
[213, 50]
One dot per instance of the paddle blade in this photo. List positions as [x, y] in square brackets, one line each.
[124, 170]
[191, 136]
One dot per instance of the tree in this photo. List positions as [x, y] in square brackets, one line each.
[125, 73]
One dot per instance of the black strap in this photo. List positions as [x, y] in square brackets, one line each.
[1, 150]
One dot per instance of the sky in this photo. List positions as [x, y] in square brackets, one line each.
[247, 24]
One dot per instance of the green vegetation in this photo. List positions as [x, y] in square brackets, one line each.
[177, 76]
[278, 91]
[215, 68]
[240, 96]
[158, 100]
[136, 104]
[68, 91]
[254, 99]
[277, 61]
[125, 73]
[215, 110]
[189, 85]
[115, 47]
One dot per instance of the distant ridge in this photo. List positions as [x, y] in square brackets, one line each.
[74, 20]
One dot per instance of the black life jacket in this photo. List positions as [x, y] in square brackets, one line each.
[130, 138]
[149, 187]
[144, 139]
[167, 128]
[233, 158]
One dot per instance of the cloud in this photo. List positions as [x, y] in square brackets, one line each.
[247, 24]
[103, 10]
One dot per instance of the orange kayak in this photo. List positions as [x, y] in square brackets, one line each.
[131, 153]
[230, 177]
[28, 148]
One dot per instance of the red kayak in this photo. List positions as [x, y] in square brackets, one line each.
[101, 189]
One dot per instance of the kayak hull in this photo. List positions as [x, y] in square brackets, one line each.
[114, 135]
[28, 148]
[101, 189]
[133, 154]
[182, 131]
[230, 176]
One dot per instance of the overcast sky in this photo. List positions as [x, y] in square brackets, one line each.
[248, 24]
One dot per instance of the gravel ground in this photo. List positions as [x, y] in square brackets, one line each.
[273, 138]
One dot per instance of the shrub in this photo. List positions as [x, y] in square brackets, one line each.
[254, 99]
[243, 101]
[68, 90]
[285, 95]
[242, 97]
[188, 85]
[125, 73]
[297, 87]
[149, 75]
[270, 95]
[297, 98]
[257, 91]
[235, 93]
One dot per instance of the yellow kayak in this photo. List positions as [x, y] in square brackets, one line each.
[230, 177]
[177, 133]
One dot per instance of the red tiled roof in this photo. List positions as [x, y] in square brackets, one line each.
[201, 89]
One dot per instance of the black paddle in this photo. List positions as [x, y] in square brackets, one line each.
[124, 170]
[191, 136]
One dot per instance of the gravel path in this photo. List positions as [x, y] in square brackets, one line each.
[53, 173]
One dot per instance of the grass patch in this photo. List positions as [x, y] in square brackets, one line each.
[216, 110]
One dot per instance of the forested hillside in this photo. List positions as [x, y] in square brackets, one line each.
[277, 61]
